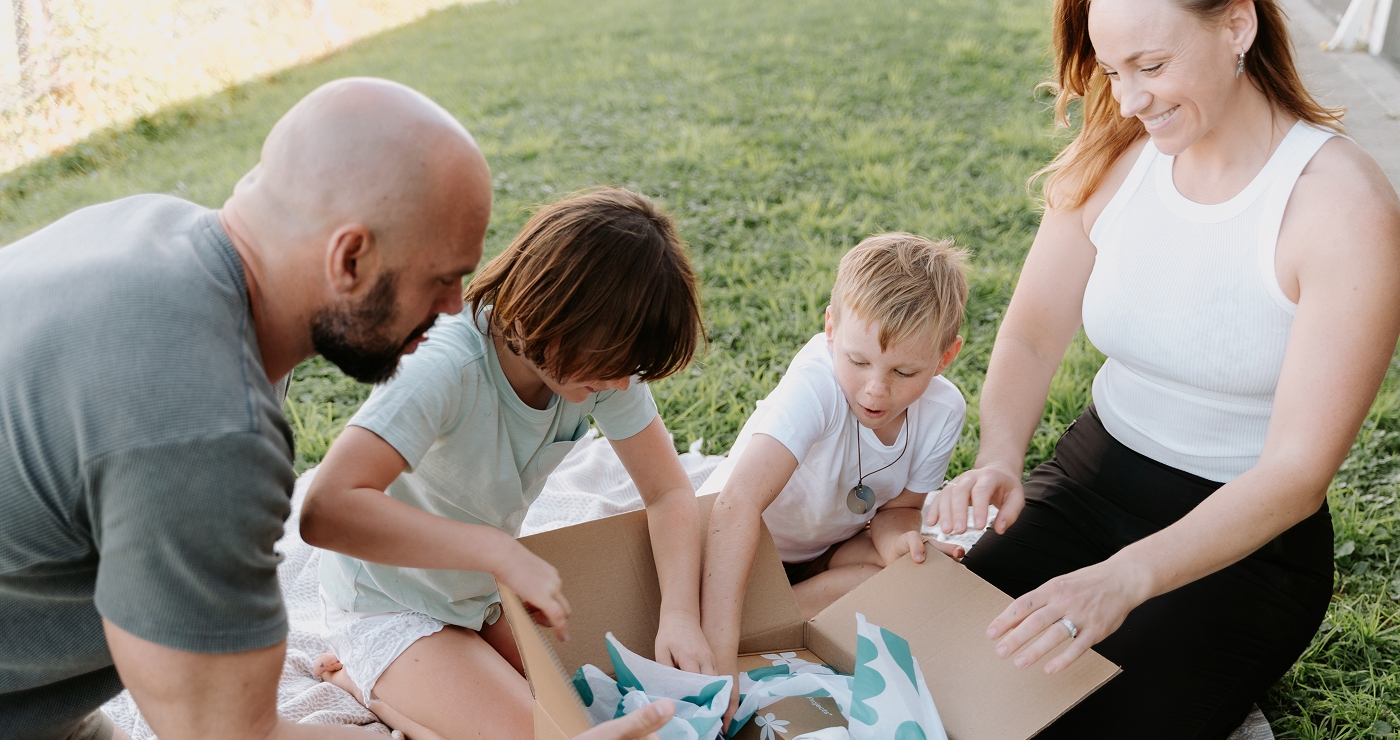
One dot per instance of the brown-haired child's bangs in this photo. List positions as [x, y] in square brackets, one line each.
[596, 287]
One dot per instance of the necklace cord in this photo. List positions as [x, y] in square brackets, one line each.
[860, 481]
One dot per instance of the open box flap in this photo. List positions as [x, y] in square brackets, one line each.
[559, 711]
[609, 578]
[943, 610]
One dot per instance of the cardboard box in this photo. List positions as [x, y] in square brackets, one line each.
[939, 606]
[793, 716]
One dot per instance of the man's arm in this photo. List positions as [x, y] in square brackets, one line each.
[209, 696]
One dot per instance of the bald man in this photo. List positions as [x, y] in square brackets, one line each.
[145, 467]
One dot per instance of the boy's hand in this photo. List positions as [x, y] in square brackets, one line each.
[914, 544]
[539, 586]
[681, 643]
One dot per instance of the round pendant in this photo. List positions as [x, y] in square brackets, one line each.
[860, 500]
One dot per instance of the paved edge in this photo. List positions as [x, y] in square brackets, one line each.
[1369, 87]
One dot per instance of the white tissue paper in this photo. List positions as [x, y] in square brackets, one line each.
[700, 700]
[890, 699]
[886, 699]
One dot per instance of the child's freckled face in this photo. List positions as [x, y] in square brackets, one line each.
[878, 385]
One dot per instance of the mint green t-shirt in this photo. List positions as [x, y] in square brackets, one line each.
[476, 453]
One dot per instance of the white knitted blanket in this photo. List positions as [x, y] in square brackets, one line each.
[589, 484]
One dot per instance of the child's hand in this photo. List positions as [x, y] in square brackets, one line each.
[681, 643]
[913, 543]
[539, 586]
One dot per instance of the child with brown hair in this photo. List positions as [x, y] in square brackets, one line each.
[595, 297]
[838, 459]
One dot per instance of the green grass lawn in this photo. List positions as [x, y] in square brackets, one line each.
[779, 134]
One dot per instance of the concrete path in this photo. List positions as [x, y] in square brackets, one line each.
[1368, 87]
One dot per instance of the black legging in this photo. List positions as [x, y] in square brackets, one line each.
[1193, 659]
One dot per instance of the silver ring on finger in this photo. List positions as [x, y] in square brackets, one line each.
[1073, 631]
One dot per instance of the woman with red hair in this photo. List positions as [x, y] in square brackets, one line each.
[1237, 259]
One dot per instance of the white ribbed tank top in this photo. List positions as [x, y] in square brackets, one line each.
[1185, 302]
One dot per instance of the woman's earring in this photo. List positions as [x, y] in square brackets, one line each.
[1240, 66]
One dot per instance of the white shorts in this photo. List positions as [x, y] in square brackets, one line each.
[367, 642]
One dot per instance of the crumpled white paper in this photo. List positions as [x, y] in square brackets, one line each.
[886, 699]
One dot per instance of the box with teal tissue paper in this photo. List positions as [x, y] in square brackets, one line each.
[886, 698]
[938, 609]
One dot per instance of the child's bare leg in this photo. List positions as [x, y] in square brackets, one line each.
[330, 670]
[855, 561]
[454, 684]
[500, 637]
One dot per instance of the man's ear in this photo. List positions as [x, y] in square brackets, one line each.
[950, 355]
[351, 258]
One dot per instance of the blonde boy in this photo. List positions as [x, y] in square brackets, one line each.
[838, 458]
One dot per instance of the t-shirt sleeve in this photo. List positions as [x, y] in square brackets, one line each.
[185, 534]
[804, 407]
[420, 403]
[622, 414]
[928, 475]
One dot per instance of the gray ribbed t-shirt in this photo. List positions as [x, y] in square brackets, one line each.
[145, 467]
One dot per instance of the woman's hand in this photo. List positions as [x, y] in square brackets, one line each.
[1095, 599]
[538, 584]
[989, 484]
[681, 643]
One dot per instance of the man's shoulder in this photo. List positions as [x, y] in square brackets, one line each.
[128, 324]
[135, 217]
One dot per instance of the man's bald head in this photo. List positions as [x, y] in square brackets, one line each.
[364, 150]
[368, 206]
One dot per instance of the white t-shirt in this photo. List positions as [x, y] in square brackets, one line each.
[476, 453]
[808, 414]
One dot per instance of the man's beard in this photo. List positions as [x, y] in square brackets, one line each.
[351, 337]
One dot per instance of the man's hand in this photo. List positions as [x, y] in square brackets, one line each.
[636, 726]
[914, 544]
[538, 584]
[681, 643]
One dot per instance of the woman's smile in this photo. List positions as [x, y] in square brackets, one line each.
[1158, 122]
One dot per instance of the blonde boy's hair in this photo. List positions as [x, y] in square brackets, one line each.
[911, 286]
